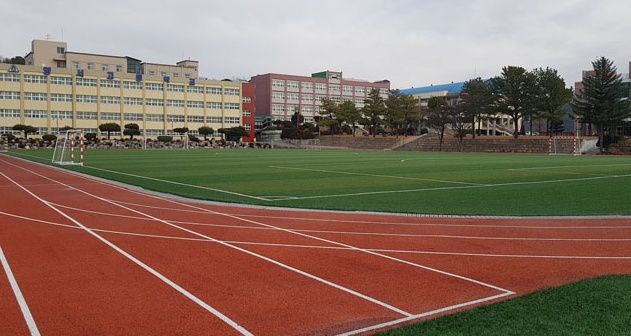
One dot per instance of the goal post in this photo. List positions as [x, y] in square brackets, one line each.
[69, 148]
[564, 145]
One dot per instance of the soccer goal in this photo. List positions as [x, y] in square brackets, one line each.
[564, 145]
[69, 148]
[312, 144]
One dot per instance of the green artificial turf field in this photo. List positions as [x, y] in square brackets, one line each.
[402, 182]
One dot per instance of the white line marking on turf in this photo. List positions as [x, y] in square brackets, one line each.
[26, 312]
[179, 183]
[375, 175]
[146, 267]
[461, 187]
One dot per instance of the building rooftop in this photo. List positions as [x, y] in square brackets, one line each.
[451, 88]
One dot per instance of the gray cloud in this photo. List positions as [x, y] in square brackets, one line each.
[412, 43]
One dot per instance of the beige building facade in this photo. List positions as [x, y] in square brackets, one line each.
[84, 91]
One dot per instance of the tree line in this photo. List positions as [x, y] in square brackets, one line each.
[517, 93]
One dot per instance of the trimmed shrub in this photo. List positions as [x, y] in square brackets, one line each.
[49, 137]
[165, 138]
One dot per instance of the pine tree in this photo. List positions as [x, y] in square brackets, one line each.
[601, 101]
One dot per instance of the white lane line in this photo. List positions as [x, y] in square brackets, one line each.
[146, 267]
[426, 314]
[275, 262]
[26, 312]
[332, 242]
[237, 242]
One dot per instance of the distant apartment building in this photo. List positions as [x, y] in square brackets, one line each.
[58, 88]
[280, 96]
[248, 101]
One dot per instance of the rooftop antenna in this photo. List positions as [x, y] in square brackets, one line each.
[47, 37]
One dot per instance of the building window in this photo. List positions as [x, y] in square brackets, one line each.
[213, 90]
[9, 113]
[195, 104]
[175, 118]
[213, 105]
[60, 97]
[278, 84]
[61, 114]
[154, 86]
[90, 66]
[247, 113]
[278, 96]
[132, 85]
[175, 103]
[232, 120]
[60, 80]
[108, 83]
[119, 68]
[307, 86]
[86, 99]
[35, 79]
[110, 100]
[86, 115]
[86, 82]
[155, 117]
[9, 77]
[133, 116]
[110, 116]
[213, 120]
[154, 102]
[232, 106]
[246, 100]
[61, 50]
[195, 89]
[105, 67]
[320, 87]
[175, 88]
[231, 92]
[132, 101]
[293, 85]
[35, 96]
[195, 119]
[75, 65]
[247, 127]
[61, 64]
[35, 114]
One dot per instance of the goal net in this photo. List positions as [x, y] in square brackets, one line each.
[312, 144]
[69, 148]
[563, 145]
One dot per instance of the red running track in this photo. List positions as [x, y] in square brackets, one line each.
[80, 256]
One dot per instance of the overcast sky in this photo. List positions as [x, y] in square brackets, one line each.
[411, 43]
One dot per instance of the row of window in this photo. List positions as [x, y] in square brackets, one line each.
[60, 97]
[147, 132]
[279, 84]
[84, 115]
[307, 98]
[113, 83]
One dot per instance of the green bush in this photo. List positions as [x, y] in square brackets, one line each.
[165, 138]
[90, 136]
[49, 137]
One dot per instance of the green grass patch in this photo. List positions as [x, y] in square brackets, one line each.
[402, 182]
[598, 306]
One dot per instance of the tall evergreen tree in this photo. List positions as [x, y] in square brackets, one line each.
[601, 101]
[475, 101]
[551, 95]
[514, 93]
[374, 110]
